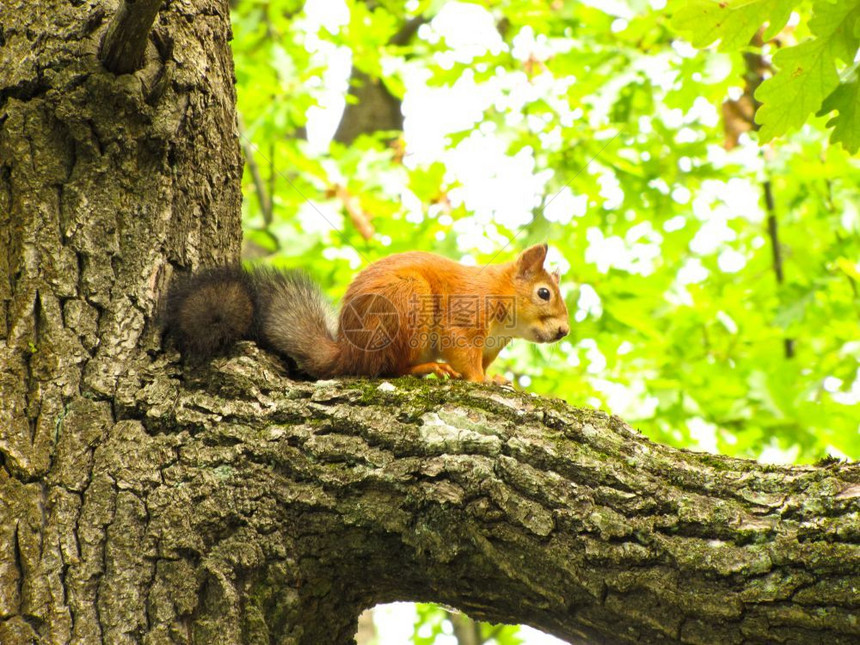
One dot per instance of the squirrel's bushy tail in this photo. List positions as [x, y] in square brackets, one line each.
[208, 311]
[283, 311]
[296, 320]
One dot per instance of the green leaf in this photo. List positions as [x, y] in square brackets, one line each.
[732, 22]
[807, 72]
[846, 125]
[651, 337]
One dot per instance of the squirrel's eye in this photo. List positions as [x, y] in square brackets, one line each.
[543, 293]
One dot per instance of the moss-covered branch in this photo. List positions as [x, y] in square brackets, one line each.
[294, 505]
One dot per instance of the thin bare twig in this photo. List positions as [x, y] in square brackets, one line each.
[259, 186]
[258, 153]
[773, 233]
[359, 217]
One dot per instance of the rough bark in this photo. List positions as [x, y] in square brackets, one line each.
[106, 182]
[143, 501]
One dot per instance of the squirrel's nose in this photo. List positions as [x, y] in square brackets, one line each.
[562, 332]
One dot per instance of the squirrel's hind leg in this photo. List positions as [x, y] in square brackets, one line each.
[465, 359]
[441, 370]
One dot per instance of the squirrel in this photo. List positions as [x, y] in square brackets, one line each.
[401, 315]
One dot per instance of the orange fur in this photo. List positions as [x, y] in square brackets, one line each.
[446, 310]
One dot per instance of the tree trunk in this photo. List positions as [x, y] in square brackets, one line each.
[146, 501]
[106, 183]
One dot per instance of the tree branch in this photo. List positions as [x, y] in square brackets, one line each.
[407, 31]
[466, 630]
[738, 117]
[303, 503]
[125, 40]
[373, 108]
[776, 249]
[352, 205]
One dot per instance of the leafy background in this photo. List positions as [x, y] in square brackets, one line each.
[690, 163]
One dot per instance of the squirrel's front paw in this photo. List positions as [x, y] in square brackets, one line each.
[444, 370]
[439, 370]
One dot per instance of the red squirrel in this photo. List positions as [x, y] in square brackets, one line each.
[401, 315]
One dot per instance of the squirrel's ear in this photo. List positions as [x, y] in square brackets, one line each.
[531, 260]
